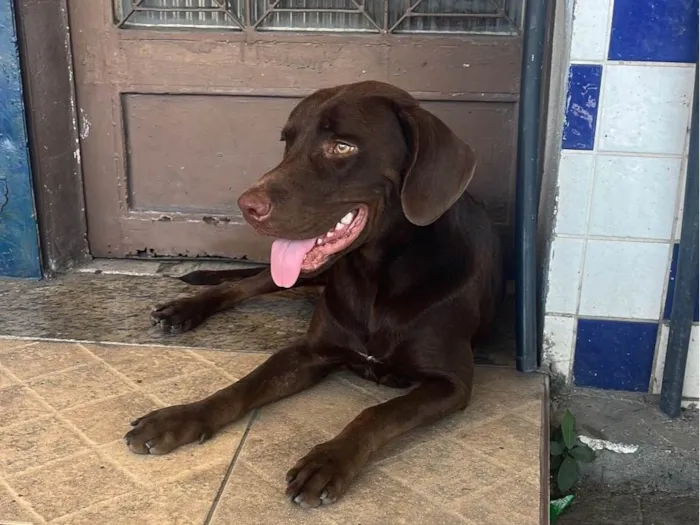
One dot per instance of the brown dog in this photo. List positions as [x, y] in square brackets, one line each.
[369, 197]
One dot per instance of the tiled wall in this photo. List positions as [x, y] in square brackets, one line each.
[619, 195]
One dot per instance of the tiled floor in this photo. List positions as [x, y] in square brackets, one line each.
[64, 407]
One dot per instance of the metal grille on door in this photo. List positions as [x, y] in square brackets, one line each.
[362, 16]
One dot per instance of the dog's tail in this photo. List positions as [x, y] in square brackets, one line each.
[209, 277]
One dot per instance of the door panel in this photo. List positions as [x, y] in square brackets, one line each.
[181, 102]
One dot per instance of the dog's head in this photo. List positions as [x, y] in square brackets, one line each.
[351, 153]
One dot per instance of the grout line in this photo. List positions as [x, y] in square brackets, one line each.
[229, 470]
[20, 346]
[211, 365]
[97, 504]
[612, 238]
[577, 317]
[630, 63]
[92, 446]
[48, 375]
[359, 388]
[441, 505]
[22, 502]
[641, 154]
[130, 382]
[608, 29]
[159, 346]
[615, 153]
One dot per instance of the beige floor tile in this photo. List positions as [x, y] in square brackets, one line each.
[6, 380]
[286, 431]
[485, 405]
[237, 364]
[509, 384]
[330, 405]
[18, 404]
[380, 392]
[43, 358]
[509, 440]
[375, 496]
[108, 420]
[70, 484]
[189, 388]
[443, 471]
[248, 499]
[515, 502]
[182, 502]
[147, 365]
[423, 436]
[74, 387]
[32, 444]
[531, 411]
[154, 470]
[12, 510]
[11, 342]
[276, 442]
[476, 467]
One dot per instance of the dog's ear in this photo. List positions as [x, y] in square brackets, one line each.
[441, 166]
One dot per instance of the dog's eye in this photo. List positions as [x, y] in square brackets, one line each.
[341, 148]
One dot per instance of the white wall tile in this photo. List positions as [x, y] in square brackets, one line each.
[558, 343]
[623, 279]
[564, 275]
[588, 39]
[645, 108]
[574, 180]
[691, 381]
[634, 196]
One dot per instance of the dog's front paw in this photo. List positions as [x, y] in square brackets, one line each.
[324, 474]
[179, 315]
[165, 429]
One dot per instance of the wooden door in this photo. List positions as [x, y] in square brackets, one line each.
[181, 102]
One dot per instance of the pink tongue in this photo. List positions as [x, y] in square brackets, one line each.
[286, 258]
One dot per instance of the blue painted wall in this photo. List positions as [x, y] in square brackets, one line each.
[19, 242]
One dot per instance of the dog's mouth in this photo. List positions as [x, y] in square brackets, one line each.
[289, 258]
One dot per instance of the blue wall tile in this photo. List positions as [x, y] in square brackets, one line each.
[672, 286]
[581, 113]
[19, 244]
[654, 30]
[616, 355]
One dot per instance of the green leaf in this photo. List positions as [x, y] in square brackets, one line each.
[555, 462]
[567, 429]
[556, 448]
[582, 453]
[568, 474]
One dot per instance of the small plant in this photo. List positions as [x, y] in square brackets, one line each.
[566, 452]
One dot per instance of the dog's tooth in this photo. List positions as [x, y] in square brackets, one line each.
[339, 226]
[319, 241]
[347, 219]
[329, 234]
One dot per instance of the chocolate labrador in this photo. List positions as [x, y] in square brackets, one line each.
[369, 200]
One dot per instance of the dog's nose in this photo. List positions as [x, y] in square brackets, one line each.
[255, 205]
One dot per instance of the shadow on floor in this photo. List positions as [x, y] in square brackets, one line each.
[115, 308]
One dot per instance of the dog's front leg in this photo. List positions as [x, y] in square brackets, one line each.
[287, 372]
[325, 473]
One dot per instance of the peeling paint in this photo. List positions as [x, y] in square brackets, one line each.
[84, 125]
[19, 241]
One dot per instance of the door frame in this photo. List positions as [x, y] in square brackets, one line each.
[52, 122]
